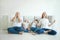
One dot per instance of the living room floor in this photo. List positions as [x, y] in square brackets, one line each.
[27, 36]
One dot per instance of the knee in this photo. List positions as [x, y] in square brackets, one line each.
[10, 29]
[53, 32]
[32, 29]
[40, 31]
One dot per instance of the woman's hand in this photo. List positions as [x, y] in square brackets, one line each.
[38, 24]
[13, 19]
[52, 23]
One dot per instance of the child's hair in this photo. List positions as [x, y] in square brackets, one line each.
[25, 19]
[36, 20]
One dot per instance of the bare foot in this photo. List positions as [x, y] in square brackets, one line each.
[46, 32]
[49, 30]
[29, 31]
[33, 33]
[21, 33]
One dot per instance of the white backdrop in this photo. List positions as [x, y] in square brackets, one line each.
[31, 8]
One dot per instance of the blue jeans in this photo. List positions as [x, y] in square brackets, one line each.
[41, 30]
[37, 30]
[52, 32]
[26, 30]
[15, 30]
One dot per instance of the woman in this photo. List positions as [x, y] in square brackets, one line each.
[44, 22]
[17, 25]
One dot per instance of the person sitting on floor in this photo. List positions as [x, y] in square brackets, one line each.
[45, 25]
[25, 24]
[17, 25]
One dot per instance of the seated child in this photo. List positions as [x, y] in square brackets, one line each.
[25, 24]
[35, 27]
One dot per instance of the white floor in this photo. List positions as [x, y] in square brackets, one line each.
[26, 36]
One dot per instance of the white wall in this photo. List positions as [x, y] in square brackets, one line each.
[31, 8]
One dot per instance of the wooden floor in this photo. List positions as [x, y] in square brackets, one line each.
[26, 36]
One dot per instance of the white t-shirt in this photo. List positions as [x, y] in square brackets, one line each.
[33, 24]
[16, 23]
[44, 23]
[26, 24]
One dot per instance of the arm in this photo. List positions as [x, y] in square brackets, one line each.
[52, 23]
[29, 26]
[13, 19]
[38, 24]
[19, 20]
[23, 25]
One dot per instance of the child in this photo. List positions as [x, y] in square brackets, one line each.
[25, 24]
[33, 26]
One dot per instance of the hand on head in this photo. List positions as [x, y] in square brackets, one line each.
[17, 14]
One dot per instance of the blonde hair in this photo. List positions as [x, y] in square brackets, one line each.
[44, 13]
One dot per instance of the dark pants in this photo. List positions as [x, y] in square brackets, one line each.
[52, 32]
[15, 30]
[41, 31]
[25, 30]
[37, 30]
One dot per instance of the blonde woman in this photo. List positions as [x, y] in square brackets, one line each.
[44, 22]
[17, 24]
